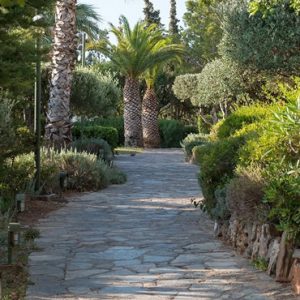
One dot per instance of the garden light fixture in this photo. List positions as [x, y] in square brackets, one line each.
[13, 238]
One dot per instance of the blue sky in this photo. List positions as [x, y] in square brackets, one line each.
[110, 10]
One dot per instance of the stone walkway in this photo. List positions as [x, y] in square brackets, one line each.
[142, 240]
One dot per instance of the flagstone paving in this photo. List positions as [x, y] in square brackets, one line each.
[142, 240]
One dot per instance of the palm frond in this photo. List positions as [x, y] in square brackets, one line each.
[139, 49]
[88, 20]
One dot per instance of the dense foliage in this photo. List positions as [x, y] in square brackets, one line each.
[263, 41]
[203, 31]
[109, 134]
[254, 156]
[94, 94]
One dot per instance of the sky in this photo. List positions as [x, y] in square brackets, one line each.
[110, 10]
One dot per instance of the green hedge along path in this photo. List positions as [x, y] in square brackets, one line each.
[142, 240]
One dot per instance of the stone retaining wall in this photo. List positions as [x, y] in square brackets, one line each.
[263, 242]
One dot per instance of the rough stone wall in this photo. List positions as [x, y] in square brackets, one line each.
[264, 242]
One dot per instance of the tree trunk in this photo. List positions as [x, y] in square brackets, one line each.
[58, 128]
[132, 113]
[150, 120]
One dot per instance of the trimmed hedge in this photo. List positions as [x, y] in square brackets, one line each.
[191, 141]
[108, 134]
[172, 132]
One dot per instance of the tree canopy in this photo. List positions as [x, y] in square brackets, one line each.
[138, 49]
[266, 42]
[203, 30]
[151, 15]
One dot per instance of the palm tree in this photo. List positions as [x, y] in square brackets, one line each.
[137, 50]
[87, 20]
[151, 135]
[58, 128]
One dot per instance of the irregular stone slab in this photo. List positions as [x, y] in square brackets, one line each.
[83, 273]
[141, 241]
[157, 258]
[186, 260]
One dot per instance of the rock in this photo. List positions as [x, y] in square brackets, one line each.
[256, 242]
[253, 234]
[284, 260]
[242, 238]
[248, 230]
[217, 229]
[265, 238]
[233, 228]
[224, 231]
[272, 255]
[295, 276]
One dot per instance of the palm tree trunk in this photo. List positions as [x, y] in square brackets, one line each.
[58, 128]
[150, 120]
[132, 113]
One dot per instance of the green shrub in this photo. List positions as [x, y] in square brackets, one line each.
[282, 193]
[171, 133]
[94, 94]
[204, 127]
[115, 122]
[219, 81]
[220, 211]
[98, 147]
[282, 164]
[116, 176]
[85, 171]
[189, 129]
[191, 141]
[276, 150]
[237, 120]
[217, 163]
[108, 134]
[244, 195]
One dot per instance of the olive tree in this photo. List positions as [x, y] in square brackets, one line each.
[263, 41]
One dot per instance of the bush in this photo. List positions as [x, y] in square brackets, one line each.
[172, 132]
[108, 134]
[251, 40]
[217, 163]
[85, 171]
[242, 116]
[94, 94]
[191, 141]
[185, 86]
[116, 176]
[221, 210]
[115, 122]
[219, 81]
[282, 193]
[244, 195]
[98, 147]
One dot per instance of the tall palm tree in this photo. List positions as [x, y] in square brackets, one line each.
[58, 128]
[137, 50]
[151, 135]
